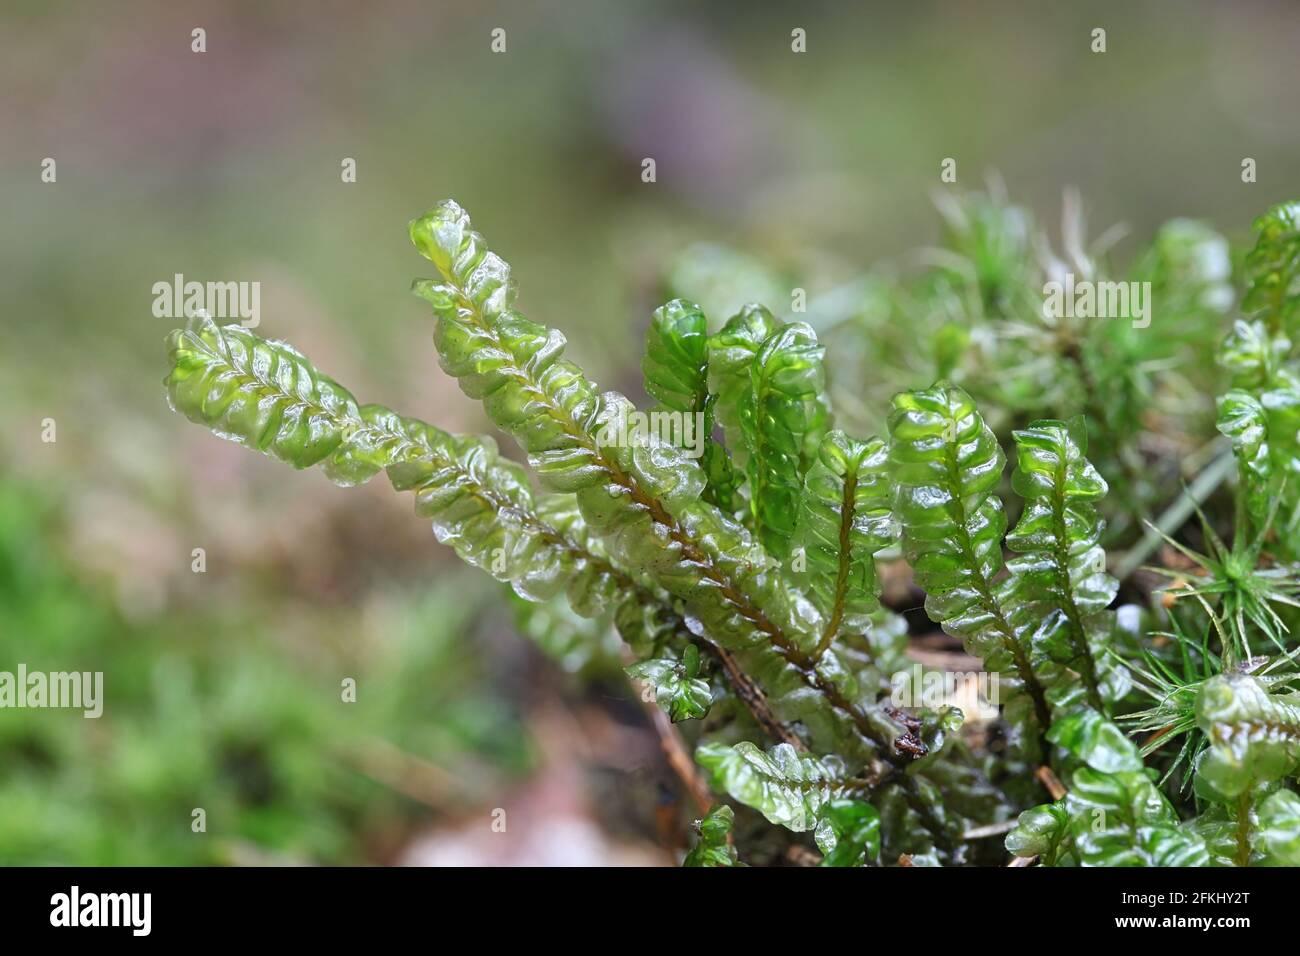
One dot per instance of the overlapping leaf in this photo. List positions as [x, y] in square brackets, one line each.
[676, 370]
[260, 393]
[1261, 414]
[1279, 828]
[714, 846]
[791, 416]
[945, 464]
[770, 380]
[1254, 736]
[679, 691]
[848, 833]
[732, 352]
[1088, 736]
[1041, 831]
[1059, 590]
[1273, 269]
[268, 396]
[642, 496]
[1113, 813]
[788, 789]
[846, 519]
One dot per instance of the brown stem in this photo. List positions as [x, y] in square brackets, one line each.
[845, 559]
[1051, 781]
[678, 759]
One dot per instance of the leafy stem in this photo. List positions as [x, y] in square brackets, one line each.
[989, 604]
[1245, 803]
[847, 508]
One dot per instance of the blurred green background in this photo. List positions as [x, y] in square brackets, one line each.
[223, 688]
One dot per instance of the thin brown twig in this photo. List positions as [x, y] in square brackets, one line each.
[992, 829]
[674, 748]
[1051, 781]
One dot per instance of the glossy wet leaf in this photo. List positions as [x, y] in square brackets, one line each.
[1059, 589]
[679, 691]
[713, 848]
[1273, 268]
[769, 377]
[676, 371]
[258, 392]
[1279, 828]
[1040, 831]
[732, 352]
[848, 834]
[1254, 736]
[845, 519]
[643, 498]
[945, 464]
[742, 577]
[1090, 737]
[787, 788]
[270, 397]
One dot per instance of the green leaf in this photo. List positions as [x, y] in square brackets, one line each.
[678, 691]
[513, 365]
[770, 378]
[1265, 432]
[269, 396]
[787, 788]
[1122, 819]
[1040, 831]
[945, 463]
[676, 366]
[1243, 420]
[1170, 845]
[481, 506]
[1254, 357]
[1108, 819]
[641, 496]
[1096, 741]
[791, 416]
[848, 833]
[1059, 589]
[1218, 828]
[574, 642]
[258, 392]
[846, 519]
[1113, 814]
[676, 362]
[1279, 828]
[1254, 736]
[1273, 268]
[732, 353]
[714, 847]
